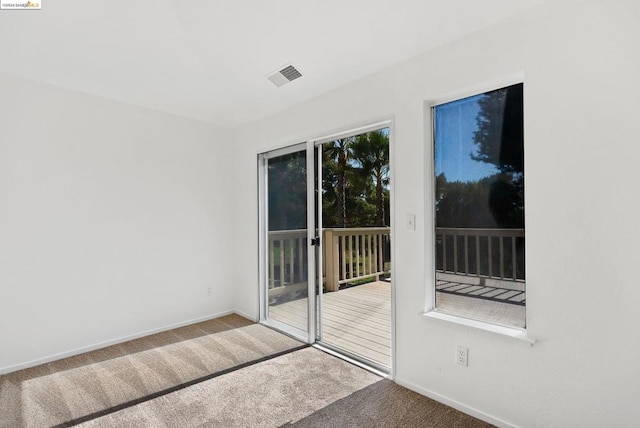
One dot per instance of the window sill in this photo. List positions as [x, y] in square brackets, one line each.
[513, 332]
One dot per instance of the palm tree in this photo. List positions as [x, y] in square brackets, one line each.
[340, 153]
[371, 151]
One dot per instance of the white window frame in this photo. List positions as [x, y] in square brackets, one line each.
[431, 312]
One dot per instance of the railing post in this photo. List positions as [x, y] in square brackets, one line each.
[281, 261]
[380, 251]
[272, 280]
[331, 252]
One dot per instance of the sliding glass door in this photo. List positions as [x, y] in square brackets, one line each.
[325, 239]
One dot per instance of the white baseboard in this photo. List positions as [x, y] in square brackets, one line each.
[245, 315]
[33, 363]
[456, 404]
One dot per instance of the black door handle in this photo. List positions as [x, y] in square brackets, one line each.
[315, 241]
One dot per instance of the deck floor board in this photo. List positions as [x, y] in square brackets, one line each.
[356, 319]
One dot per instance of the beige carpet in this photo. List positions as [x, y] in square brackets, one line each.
[306, 389]
[387, 404]
[268, 394]
[90, 383]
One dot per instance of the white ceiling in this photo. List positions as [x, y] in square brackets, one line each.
[208, 59]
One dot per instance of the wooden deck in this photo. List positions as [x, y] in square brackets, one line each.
[356, 319]
[494, 301]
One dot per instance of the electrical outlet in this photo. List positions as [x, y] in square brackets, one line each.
[462, 355]
[208, 291]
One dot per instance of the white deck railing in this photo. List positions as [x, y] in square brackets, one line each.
[287, 257]
[350, 254]
[488, 253]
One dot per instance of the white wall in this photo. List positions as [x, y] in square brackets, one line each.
[582, 94]
[113, 221]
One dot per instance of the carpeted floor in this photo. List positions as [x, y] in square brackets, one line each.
[387, 404]
[269, 394]
[97, 381]
[227, 372]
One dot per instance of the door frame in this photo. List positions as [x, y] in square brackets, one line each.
[314, 255]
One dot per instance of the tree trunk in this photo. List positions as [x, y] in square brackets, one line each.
[379, 200]
[342, 186]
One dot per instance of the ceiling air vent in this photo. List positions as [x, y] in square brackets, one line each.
[285, 75]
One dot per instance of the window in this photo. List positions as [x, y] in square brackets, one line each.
[479, 207]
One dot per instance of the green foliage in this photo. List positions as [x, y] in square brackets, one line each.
[371, 152]
[287, 179]
[337, 154]
[496, 201]
[500, 134]
[355, 184]
[355, 181]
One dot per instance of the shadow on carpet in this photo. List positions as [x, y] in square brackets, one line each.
[79, 388]
[387, 404]
[264, 395]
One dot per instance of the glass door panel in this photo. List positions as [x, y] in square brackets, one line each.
[355, 310]
[286, 262]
